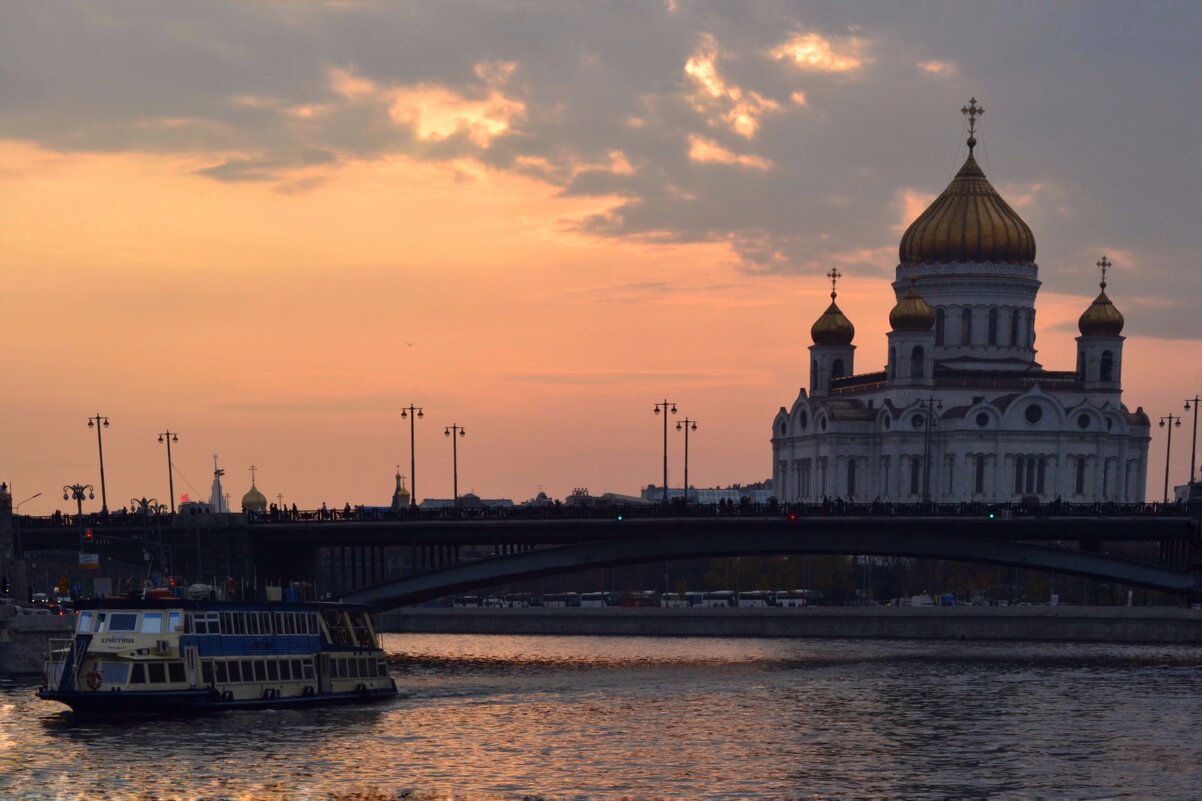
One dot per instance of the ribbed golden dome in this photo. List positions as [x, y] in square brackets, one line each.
[1101, 319]
[833, 327]
[969, 222]
[254, 501]
[912, 313]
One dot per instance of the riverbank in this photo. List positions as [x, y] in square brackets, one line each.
[1035, 623]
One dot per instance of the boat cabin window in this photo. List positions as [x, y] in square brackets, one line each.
[114, 672]
[222, 676]
[265, 622]
[206, 623]
[173, 621]
[85, 622]
[297, 673]
[138, 674]
[252, 623]
[102, 620]
[175, 671]
[285, 673]
[157, 672]
[308, 668]
[235, 671]
[248, 670]
[152, 622]
[273, 670]
[123, 621]
[206, 672]
[260, 670]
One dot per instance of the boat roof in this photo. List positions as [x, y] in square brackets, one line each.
[216, 606]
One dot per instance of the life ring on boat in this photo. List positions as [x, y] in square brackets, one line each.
[94, 681]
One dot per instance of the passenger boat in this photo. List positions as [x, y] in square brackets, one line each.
[174, 656]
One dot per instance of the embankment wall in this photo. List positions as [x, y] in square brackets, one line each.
[1063, 624]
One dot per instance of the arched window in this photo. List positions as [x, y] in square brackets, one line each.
[1043, 472]
[1080, 489]
[966, 327]
[851, 478]
[940, 323]
[892, 366]
[1014, 327]
[917, 359]
[979, 483]
[813, 374]
[993, 326]
[915, 474]
[1080, 365]
[836, 369]
[1019, 462]
[1107, 371]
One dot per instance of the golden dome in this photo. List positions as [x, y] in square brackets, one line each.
[254, 501]
[912, 313]
[1101, 319]
[833, 327]
[969, 222]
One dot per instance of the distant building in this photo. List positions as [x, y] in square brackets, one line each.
[758, 492]
[400, 496]
[468, 500]
[581, 497]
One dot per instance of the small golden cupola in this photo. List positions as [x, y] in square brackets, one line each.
[253, 500]
[1101, 319]
[912, 312]
[833, 327]
[969, 222]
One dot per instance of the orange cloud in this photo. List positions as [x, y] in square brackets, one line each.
[813, 53]
[702, 149]
[738, 108]
[940, 69]
[436, 113]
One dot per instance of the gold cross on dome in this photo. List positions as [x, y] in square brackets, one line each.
[834, 275]
[1104, 266]
[972, 111]
[252, 474]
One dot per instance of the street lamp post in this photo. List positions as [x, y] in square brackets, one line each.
[78, 493]
[99, 422]
[1193, 451]
[930, 405]
[451, 431]
[685, 425]
[1168, 449]
[169, 437]
[17, 508]
[413, 413]
[665, 407]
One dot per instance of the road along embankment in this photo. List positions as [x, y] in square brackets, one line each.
[1041, 623]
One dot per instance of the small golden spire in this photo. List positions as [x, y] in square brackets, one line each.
[972, 111]
[1104, 266]
[834, 275]
[253, 470]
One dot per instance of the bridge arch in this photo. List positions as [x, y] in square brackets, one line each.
[580, 557]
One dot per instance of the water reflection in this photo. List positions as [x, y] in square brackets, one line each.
[605, 718]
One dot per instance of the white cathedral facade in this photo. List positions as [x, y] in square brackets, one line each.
[962, 411]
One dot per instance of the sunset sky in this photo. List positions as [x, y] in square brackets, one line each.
[269, 226]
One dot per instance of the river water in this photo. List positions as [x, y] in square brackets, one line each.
[504, 717]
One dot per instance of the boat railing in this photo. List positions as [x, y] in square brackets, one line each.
[57, 661]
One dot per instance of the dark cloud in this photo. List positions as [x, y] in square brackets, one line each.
[1090, 110]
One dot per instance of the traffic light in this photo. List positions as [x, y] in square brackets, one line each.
[87, 534]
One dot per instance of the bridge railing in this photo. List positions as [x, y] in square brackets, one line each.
[831, 508]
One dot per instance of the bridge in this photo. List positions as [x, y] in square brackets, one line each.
[391, 558]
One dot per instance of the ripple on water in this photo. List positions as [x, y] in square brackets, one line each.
[502, 717]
